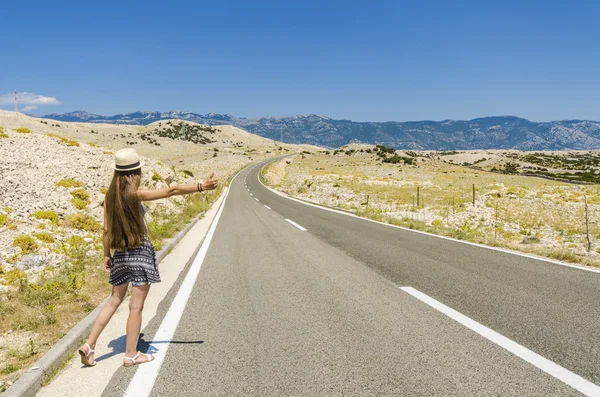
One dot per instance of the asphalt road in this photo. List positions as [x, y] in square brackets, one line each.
[279, 311]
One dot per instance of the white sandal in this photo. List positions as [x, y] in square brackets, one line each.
[133, 362]
[84, 356]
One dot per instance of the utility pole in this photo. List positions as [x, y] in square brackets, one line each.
[16, 103]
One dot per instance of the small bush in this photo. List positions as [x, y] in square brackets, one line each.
[45, 237]
[8, 210]
[81, 194]
[14, 277]
[68, 183]
[3, 219]
[3, 135]
[26, 242]
[81, 222]
[156, 177]
[394, 160]
[385, 149]
[47, 214]
[23, 130]
[188, 173]
[437, 223]
[103, 190]
[66, 141]
[9, 369]
[79, 203]
[92, 144]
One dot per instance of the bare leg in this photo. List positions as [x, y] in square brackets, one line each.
[115, 300]
[134, 322]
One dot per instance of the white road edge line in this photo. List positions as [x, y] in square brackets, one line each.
[507, 251]
[297, 225]
[143, 381]
[267, 207]
[575, 381]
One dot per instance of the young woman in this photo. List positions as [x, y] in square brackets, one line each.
[134, 260]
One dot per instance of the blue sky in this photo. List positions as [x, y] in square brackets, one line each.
[358, 60]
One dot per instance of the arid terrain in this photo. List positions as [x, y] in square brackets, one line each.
[53, 177]
[433, 191]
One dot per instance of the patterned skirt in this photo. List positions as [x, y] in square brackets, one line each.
[135, 265]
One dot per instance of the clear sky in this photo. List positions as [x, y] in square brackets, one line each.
[351, 59]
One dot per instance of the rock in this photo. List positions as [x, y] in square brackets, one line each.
[32, 262]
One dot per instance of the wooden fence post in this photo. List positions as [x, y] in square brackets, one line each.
[587, 225]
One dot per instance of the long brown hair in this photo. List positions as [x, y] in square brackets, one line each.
[125, 220]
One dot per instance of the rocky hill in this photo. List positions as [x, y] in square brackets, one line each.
[53, 171]
[504, 132]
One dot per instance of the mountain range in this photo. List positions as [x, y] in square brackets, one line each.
[498, 132]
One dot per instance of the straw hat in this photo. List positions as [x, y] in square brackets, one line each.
[127, 160]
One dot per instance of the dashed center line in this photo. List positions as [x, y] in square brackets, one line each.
[255, 199]
[297, 225]
[267, 207]
[575, 381]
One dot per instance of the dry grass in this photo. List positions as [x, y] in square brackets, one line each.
[49, 306]
[69, 183]
[517, 212]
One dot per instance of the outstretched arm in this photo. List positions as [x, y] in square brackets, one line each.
[177, 190]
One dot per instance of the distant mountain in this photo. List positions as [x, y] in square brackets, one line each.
[499, 132]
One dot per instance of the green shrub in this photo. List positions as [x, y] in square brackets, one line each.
[437, 223]
[80, 199]
[8, 210]
[68, 182]
[103, 190]
[9, 369]
[66, 141]
[156, 177]
[3, 135]
[46, 214]
[81, 194]
[14, 276]
[26, 242]
[79, 203]
[385, 149]
[45, 237]
[23, 130]
[3, 219]
[81, 222]
[394, 159]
